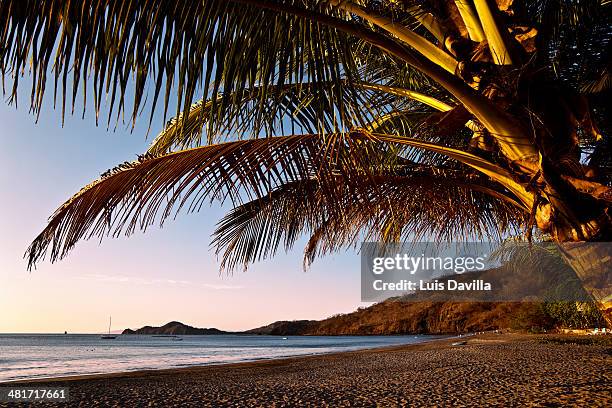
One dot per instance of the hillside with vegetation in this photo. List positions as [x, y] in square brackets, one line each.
[397, 316]
[433, 312]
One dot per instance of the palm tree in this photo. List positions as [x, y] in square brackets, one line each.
[341, 120]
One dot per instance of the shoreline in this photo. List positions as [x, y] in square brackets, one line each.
[196, 367]
[490, 370]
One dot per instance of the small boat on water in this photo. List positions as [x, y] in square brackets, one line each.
[109, 336]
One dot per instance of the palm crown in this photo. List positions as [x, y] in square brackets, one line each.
[341, 120]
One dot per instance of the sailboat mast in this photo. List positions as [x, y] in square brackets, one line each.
[110, 319]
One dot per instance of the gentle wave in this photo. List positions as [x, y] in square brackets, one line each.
[44, 356]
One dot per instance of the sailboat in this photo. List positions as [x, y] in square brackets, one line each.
[109, 336]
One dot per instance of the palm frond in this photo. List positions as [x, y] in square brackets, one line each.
[574, 36]
[218, 46]
[400, 122]
[410, 209]
[497, 173]
[425, 47]
[137, 194]
[212, 45]
[255, 230]
[399, 204]
[268, 110]
[377, 66]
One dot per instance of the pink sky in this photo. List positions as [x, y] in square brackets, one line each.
[152, 278]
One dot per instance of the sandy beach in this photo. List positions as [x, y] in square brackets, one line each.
[490, 370]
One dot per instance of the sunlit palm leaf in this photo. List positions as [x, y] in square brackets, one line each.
[268, 110]
[213, 45]
[303, 107]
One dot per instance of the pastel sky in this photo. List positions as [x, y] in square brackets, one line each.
[165, 274]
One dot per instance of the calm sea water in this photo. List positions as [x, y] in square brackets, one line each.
[44, 355]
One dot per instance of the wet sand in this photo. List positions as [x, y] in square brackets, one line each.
[491, 370]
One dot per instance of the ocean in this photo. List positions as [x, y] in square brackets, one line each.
[29, 356]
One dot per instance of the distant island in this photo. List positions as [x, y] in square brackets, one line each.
[173, 328]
